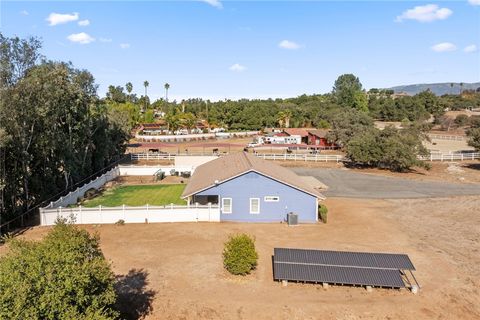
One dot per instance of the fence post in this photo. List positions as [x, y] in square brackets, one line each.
[81, 214]
[209, 211]
[196, 213]
[100, 211]
[123, 212]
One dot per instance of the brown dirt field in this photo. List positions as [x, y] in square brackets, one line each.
[184, 266]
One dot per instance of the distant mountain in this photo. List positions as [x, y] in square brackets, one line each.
[437, 88]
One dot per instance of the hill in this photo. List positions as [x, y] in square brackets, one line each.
[437, 88]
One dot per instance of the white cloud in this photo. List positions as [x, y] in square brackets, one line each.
[471, 48]
[286, 44]
[82, 38]
[24, 13]
[84, 23]
[474, 2]
[426, 13]
[124, 45]
[444, 47]
[60, 18]
[214, 3]
[105, 40]
[237, 67]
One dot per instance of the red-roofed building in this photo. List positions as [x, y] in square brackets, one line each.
[302, 132]
[318, 137]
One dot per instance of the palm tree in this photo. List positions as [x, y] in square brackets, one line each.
[166, 86]
[461, 87]
[451, 86]
[129, 87]
[287, 115]
[145, 84]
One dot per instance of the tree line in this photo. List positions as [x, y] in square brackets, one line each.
[54, 129]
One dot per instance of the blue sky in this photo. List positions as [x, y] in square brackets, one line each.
[233, 49]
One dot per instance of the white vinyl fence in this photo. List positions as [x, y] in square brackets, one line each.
[451, 156]
[301, 157]
[73, 196]
[318, 157]
[145, 170]
[145, 214]
[266, 156]
[195, 136]
[446, 137]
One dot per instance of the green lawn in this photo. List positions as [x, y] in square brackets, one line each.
[155, 195]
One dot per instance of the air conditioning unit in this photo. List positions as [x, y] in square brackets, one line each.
[292, 219]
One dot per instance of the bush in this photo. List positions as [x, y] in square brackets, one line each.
[239, 254]
[461, 120]
[120, 222]
[322, 213]
[64, 276]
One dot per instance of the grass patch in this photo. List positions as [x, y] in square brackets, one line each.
[155, 195]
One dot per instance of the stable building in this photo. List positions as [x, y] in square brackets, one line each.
[250, 189]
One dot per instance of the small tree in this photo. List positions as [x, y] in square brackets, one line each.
[461, 120]
[239, 254]
[474, 138]
[64, 276]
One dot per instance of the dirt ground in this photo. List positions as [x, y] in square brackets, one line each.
[181, 268]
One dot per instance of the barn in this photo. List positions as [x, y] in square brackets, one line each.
[249, 189]
[318, 137]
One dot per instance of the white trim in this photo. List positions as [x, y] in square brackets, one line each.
[319, 196]
[271, 198]
[223, 206]
[258, 207]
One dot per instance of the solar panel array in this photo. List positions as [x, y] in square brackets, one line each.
[352, 268]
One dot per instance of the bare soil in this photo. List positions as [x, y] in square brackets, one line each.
[181, 264]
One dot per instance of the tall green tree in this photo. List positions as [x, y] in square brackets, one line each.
[146, 84]
[64, 276]
[54, 130]
[166, 86]
[346, 88]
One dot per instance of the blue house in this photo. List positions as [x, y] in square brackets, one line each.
[250, 189]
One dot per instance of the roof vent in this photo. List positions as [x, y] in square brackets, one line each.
[216, 182]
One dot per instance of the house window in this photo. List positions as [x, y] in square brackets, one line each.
[226, 205]
[255, 205]
[271, 199]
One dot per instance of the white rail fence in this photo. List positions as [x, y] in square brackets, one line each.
[73, 196]
[451, 156]
[446, 137]
[145, 214]
[301, 157]
[149, 170]
[196, 136]
[273, 156]
[316, 157]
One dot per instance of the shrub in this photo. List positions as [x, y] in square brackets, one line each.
[120, 222]
[239, 254]
[64, 276]
[322, 213]
[461, 120]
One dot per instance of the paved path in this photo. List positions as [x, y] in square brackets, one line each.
[346, 183]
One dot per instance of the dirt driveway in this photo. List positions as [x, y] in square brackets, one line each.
[350, 184]
[181, 263]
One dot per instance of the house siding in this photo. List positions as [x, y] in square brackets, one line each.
[255, 185]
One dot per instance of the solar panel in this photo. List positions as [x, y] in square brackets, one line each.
[338, 275]
[344, 258]
[341, 267]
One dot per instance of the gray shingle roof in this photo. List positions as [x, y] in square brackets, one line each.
[236, 164]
